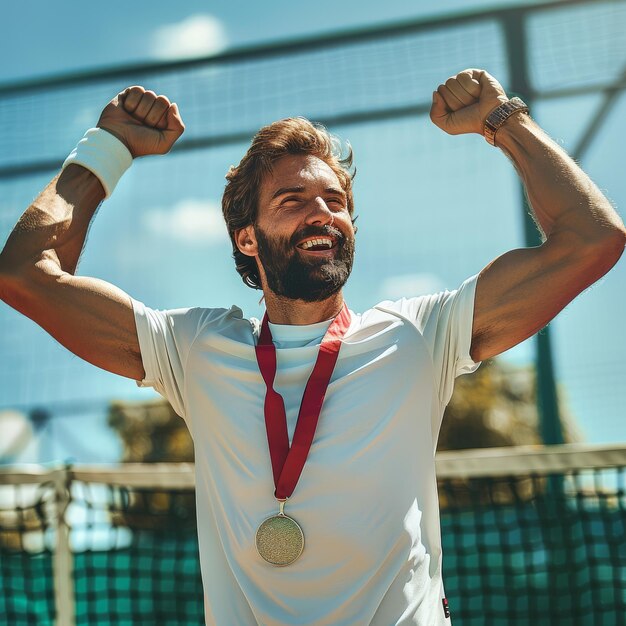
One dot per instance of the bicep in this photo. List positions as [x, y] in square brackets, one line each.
[90, 317]
[521, 291]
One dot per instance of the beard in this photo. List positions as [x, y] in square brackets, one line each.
[312, 279]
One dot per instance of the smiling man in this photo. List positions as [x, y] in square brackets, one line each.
[310, 261]
[315, 429]
[303, 238]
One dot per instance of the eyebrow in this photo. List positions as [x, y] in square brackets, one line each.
[301, 189]
[284, 190]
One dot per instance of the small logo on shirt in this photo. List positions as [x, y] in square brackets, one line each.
[446, 608]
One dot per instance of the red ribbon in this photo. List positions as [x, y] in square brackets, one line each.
[287, 463]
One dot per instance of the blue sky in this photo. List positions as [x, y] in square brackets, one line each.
[434, 209]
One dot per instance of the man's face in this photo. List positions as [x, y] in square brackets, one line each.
[304, 233]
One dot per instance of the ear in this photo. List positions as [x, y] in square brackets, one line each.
[246, 241]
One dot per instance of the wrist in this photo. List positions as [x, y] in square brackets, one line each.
[512, 130]
[85, 182]
[118, 137]
[103, 154]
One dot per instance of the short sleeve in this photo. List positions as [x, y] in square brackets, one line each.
[165, 339]
[445, 321]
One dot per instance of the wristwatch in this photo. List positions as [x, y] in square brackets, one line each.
[501, 114]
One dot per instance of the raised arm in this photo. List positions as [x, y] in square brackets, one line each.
[90, 317]
[518, 293]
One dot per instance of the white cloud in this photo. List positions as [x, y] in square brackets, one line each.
[198, 35]
[409, 285]
[190, 221]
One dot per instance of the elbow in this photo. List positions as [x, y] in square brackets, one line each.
[610, 233]
[11, 283]
[607, 250]
[620, 243]
[18, 280]
[6, 276]
[10, 268]
[614, 242]
[621, 235]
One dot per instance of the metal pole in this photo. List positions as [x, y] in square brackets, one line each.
[514, 24]
[62, 559]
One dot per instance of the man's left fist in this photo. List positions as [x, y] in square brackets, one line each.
[464, 102]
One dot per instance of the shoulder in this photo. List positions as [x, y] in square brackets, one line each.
[424, 310]
[187, 321]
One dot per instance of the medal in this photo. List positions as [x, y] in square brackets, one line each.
[279, 539]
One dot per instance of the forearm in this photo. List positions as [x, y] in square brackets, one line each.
[53, 229]
[561, 195]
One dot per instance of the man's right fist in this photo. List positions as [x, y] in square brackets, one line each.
[144, 122]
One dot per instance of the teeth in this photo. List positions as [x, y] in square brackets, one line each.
[317, 242]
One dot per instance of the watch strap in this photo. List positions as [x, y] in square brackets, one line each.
[501, 114]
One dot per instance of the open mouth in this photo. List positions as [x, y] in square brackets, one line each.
[317, 244]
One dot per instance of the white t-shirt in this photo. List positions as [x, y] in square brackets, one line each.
[367, 497]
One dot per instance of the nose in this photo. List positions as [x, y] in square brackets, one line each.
[319, 213]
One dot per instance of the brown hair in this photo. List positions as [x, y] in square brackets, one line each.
[293, 135]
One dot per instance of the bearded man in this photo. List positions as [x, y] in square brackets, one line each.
[315, 429]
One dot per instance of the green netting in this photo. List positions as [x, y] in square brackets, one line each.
[138, 561]
[534, 550]
[26, 583]
[26, 595]
[155, 581]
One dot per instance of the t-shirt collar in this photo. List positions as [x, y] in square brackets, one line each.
[299, 332]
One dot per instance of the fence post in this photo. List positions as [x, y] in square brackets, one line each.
[62, 559]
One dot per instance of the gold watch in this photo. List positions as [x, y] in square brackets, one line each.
[501, 114]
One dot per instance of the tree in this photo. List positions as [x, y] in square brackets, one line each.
[496, 406]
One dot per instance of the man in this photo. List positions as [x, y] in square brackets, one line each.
[342, 526]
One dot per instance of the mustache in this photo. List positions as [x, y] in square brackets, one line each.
[317, 231]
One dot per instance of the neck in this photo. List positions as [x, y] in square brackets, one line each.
[297, 312]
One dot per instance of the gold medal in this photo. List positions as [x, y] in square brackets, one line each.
[279, 539]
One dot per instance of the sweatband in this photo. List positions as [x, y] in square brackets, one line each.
[103, 155]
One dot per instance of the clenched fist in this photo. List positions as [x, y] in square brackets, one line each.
[464, 102]
[144, 122]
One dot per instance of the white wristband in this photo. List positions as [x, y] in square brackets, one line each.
[103, 155]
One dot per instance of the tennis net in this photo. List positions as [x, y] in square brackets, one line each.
[530, 536]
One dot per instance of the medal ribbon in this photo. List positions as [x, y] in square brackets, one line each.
[287, 463]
